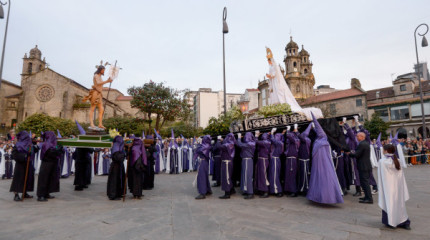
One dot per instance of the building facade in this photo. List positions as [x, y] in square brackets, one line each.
[400, 104]
[208, 104]
[298, 71]
[43, 90]
[341, 102]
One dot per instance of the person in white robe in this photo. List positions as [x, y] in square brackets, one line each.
[393, 191]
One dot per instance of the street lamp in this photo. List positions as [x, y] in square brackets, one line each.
[424, 43]
[5, 35]
[224, 31]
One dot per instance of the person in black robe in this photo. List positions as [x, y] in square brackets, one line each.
[116, 178]
[148, 176]
[237, 166]
[82, 158]
[138, 164]
[49, 179]
[216, 153]
[21, 154]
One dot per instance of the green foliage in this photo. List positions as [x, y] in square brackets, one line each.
[39, 122]
[164, 102]
[184, 128]
[376, 125]
[221, 125]
[127, 125]
[274, 110]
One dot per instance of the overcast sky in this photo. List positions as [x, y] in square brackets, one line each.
[179, 42]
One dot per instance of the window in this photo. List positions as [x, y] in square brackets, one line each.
[399, 113]
[40, 67]
[294, 51]
[306, 71]
[263, 97]
[383, 113]
[377, 94]
[333, 108]
[30, 66]
[297, 88]
[402, 87]
[304, 59]
[294, 64]
[358, 102]
[416, 109]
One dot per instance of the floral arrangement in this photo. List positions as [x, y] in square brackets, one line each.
[274, 110]
[113, 133]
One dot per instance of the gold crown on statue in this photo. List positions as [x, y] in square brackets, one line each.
[269, 53]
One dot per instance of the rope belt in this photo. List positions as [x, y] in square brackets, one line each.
[291, 169]
[226, 170]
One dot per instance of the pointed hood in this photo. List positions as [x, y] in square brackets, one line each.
[81, 129]
[157, 135]
[378, 141]
[395, 140]
[143, 134]
[24, 141]
[173, 140]
[318, 129]
[305, 133]
[138, 150]
[118, 144]
[229, 142]
[58, 134]
[265, 137]
[50, 142]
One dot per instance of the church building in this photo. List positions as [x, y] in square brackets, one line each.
[43, 90]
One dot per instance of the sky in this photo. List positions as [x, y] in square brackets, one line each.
[179, 42]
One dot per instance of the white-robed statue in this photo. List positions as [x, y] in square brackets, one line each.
[279, 92]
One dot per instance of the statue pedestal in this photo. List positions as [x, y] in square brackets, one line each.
[88, 141]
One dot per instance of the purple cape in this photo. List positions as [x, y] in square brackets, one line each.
[138, 150]
[24, 141]
[50, 142]
[118, 144]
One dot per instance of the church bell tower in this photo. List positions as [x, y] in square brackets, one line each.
[33, 63]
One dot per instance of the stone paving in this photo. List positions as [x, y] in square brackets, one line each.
[170, 212]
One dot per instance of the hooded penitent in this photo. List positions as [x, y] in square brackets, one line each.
[323, 184]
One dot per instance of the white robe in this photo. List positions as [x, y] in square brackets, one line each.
[2, 162]
[373, 159]
[392, 191]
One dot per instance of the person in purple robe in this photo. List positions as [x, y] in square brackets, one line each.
[261, 182]
[116, 178]
[216, 153]
[352, 142]
[323, 183]
[49, 179]
[247, 151]
[159, 151]
[173, 156]
[138, 165]
[304, 157]
[202, 154]
[277, 148]
[291, 152]
[21, 154]
[8, 172]
[227, 151]
[106, 156]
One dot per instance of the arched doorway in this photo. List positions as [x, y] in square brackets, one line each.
[420, 131]
[402, 133]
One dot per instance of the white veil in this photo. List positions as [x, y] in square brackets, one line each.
[281, 93]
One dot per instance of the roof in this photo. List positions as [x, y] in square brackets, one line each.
[252, 90]
[383, 93]
[292, 44]
[352, 92]
[11, 83]
[425, 86]
[124, 98]
[408, 100]
[14, 96]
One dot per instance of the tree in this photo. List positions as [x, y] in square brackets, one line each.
[376, 125]
[164, 102]
[39, 122]
[221, 125]
[127, 125]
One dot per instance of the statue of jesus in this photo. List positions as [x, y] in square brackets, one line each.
[95, 96]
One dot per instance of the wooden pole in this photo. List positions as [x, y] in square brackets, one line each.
[26, 176]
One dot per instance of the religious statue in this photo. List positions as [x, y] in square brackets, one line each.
[95, 95]
[279, 92]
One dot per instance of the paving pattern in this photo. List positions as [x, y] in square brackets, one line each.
[170, 212]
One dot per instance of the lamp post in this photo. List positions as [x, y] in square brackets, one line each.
[224, 31]
[5, 35]
[424, 43]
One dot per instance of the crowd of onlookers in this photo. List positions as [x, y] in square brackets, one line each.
[415, 150]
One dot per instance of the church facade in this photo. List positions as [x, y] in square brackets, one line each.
[43, 90]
